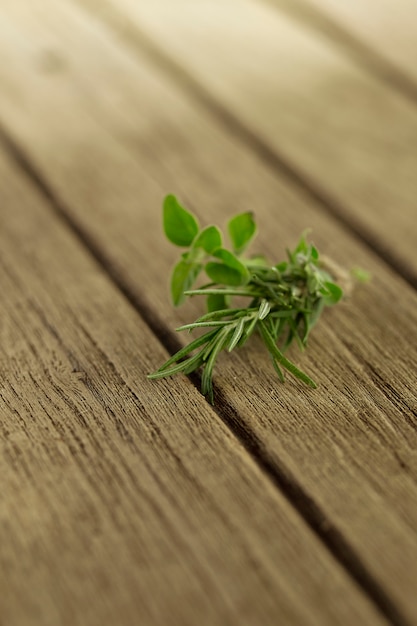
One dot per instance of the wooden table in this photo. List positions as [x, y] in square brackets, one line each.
[130, 502]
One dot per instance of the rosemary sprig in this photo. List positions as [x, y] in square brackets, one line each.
[284, 301]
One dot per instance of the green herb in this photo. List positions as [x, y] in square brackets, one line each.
[284, 301]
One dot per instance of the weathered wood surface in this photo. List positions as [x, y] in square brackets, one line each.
[123, 502]
[345, 135]
[387, 28]
[107, 134]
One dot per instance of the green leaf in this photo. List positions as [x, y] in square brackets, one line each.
[281, 359]
[314, 253]
[219, 313]
[278, 369]
[360, 274]
[248, 330]
[230, 272]
[281, 267]
[183, 277]
[183, 352]
[217, 345]
[231, 291]
[242, 229]
[223, 274]
[332, 292]
[216, 302]
[302, 246]
[180, 226]
[189, 365]
[210, 238]
[206, 324]
[237, 334]
[233, 262]
[264, 309]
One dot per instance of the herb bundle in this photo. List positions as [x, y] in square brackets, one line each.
[284, 301]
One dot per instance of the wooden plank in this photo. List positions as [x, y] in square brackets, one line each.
[348, 134]
[111, 154]
[123, 502]
[386, 27]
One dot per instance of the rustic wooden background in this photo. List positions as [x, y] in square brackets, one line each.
[129, 502]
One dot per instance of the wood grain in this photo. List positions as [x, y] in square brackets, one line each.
[347, 134]
[388, 28]
[109, 155]
[123, 502]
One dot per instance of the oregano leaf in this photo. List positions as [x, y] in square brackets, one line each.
[210, 238]
[231, 260]
[182, 279]
[216, 302]
[224, 274]
[242, 229]
[180, 226]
